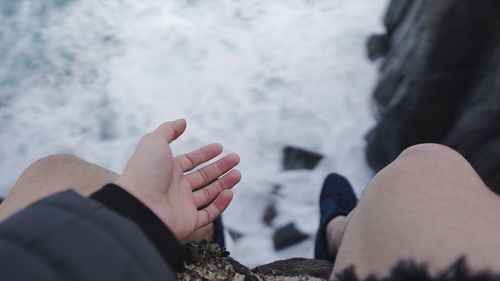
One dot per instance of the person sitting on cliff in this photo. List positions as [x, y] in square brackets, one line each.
[428, 206]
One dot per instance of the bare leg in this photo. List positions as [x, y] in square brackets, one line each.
[335, 232]
[430, 206]
[54, 174]
[57, 173]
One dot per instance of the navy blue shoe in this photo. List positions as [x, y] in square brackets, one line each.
[337, 198]
[219, 232]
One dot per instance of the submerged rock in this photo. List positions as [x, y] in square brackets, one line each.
[277, 190]
[235, 235]
[270, 213]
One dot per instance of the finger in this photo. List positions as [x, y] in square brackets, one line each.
[208, 174]
[171, 130]
[190, 160]
[212, 211]
[202, 197]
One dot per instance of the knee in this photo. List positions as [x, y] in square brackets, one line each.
[434, 158]
[431, 158]
[424, 165]
[430, 152]
[57, 160]
[51, 164]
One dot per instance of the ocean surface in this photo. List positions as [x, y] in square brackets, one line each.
[90, 77]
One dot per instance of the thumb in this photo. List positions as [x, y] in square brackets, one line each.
[172, 130]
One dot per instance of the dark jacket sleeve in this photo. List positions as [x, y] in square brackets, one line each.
[120, 201]
[68, 237]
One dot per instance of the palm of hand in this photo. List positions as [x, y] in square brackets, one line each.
[185, 201]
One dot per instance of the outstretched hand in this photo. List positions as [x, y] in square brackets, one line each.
[185, 201]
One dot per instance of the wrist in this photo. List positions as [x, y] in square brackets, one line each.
[156, 202]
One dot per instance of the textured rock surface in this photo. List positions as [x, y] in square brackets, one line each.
[297, 266]
[439, 82]
[476, 133]
[210, 262]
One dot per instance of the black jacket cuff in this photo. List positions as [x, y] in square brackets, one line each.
[120, 201]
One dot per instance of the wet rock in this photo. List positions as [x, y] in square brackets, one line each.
[430, 90]
[276, 190]
[208, 262]
[288, 235]
[377, 46]
[485, 162]
[396, 13]
[296, 266]
[270, 213]
[476, 131]
[235, 235]
[299, 159]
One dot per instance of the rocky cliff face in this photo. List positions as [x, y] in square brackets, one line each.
[439, 81]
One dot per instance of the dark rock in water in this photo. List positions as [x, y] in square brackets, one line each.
[270, 214]
[299, 159]
[377, 46]
[235, 234]
[276, 190]
[439, 82]
[1, 200]
[288, 235]
[296, 266]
